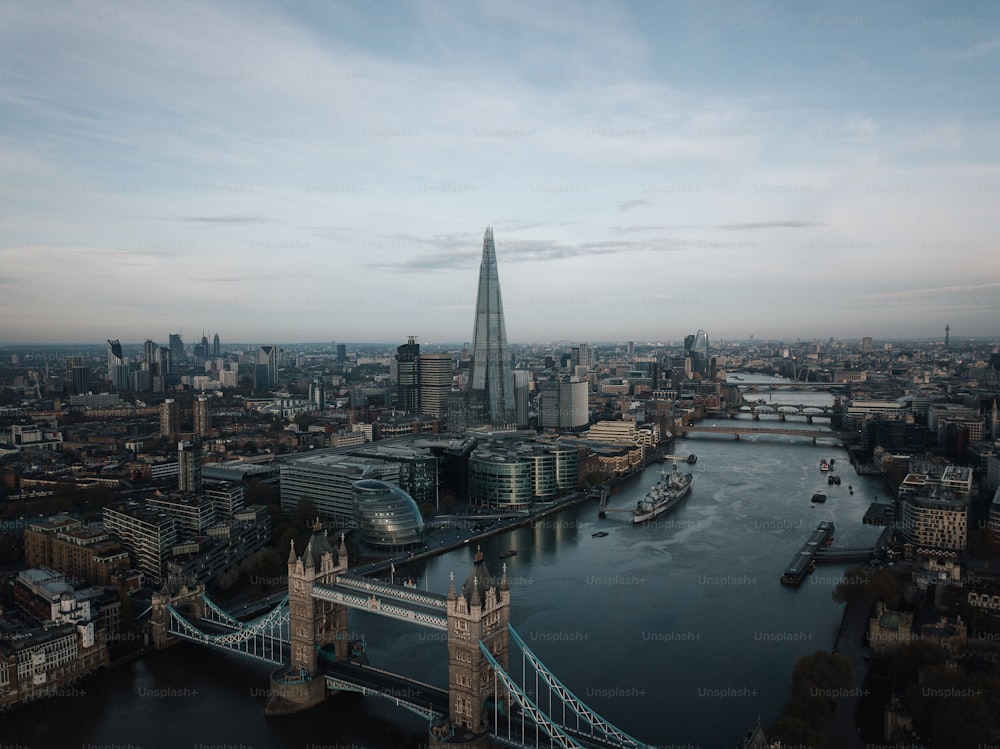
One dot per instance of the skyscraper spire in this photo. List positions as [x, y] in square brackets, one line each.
[491, 388]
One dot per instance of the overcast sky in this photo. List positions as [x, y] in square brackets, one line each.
[325, 171]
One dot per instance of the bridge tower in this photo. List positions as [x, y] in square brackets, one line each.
[188, 601]
[312, 624]
[479, 612]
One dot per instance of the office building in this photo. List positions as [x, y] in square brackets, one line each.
[408, 376]
[386, 515]
[435, 383]
[563, 405]
[491, 382]
[119, 371]
[176, 346]
[266, 371]
[325, 480]
[696, 355]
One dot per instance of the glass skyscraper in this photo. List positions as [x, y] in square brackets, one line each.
[491, 385]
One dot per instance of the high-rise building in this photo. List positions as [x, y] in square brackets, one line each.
[266, 376]
[118, 367]
[696, 353]
[176, 345]
[435, 383]
[170, 418]
[564, 405]
[216, 346]
[77, 376]
[202, 416]
[150, 356]
[341, 352]
[408, 376]
[189, 466]
[491, 384]
[522, 387]
[317, 393]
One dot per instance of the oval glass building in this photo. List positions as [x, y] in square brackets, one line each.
[386, 515]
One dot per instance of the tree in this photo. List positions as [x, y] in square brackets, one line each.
[808, 713]
[982, 544]
[870, 585]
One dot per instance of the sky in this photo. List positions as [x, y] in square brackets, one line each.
[319, 171]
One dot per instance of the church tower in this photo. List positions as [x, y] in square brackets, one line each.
[479, 612]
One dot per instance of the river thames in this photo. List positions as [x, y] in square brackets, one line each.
[676, 631]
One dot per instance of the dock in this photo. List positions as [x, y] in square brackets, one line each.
[805, 560]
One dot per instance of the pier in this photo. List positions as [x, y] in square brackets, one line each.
[804, 561]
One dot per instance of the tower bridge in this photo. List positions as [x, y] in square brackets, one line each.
[305, 637]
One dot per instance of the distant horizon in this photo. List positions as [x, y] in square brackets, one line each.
[557, 342]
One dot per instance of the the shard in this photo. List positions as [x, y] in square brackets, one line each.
[491, 385]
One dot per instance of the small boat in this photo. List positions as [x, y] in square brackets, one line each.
[599, 534]
[507, 554]
[817, 497]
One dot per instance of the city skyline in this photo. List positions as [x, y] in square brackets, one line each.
[324, 173]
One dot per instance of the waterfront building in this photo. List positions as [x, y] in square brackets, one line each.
[326, 479]
[932, 521]
[386, 515]
[512, 476]
[491, 383]
[854, 413]
[42, 662]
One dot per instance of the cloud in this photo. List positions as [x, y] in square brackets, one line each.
[931, 291]
[640, 228]
[980, 49]
[220, 219]
[532, 250]
[628, 205]
[770, 225]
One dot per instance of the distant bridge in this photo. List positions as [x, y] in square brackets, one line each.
[817, 387]
[737, 432]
